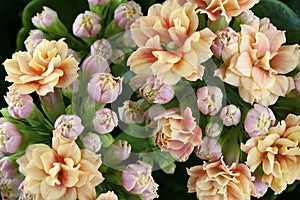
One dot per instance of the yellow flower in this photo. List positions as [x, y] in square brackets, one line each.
[47, 67]
[169, 45]
[61, 172]
[278, 152]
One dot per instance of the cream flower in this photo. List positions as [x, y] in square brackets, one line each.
[278, 152]
[61, 172]
[258, 63]
[228, 9]
[169, 45]
[217, 181]
[49, 66]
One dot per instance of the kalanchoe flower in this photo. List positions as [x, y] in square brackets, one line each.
[210, 150]
[45, 19]
[105, 120]
[73, 54]
[297, 82]
[247, 17]
[35, 37]
[10, 137]
[126, 14]
[261, 187]
[102, 49]
[137, 179]
[110, 195]
[117, 152]
[209, 99]
[69, 126]
[117, 56]
[98, 2]
[213, 129]
[92, 65]
[231, 115]
[19, 105]
[130, 113]
[258, 120]
[92, 142]
[156, 92]
[9, 188]
[104, 88]
[151, 113]
[137, 82]
[8, 169]
[86, 25]
[177, 133]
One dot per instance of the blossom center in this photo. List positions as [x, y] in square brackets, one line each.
[86, 21]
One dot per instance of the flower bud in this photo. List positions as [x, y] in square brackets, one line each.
[209, 150]
[151, 113]
[231, 115]
[45, 19]
[69, 126]
[247, 17]
[213, 129]
[105, 120]
[126, 13]
[116, 153]
[9, 188]
[19, 105]
[92, 65]
[8, 168]
[10, 137]
[117, 56]
[110, 195]
[130, 113]
[98, 2]
[137, 82]
[92, 142]
[35, 37]
[155, 92]
[258, 120]
[209, 99]
[261, 187]
[297, 82]
[101, 49]
[86, 25]
[104, 88]
[72, 53]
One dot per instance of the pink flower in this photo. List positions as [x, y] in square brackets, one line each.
[137, 82]
[9, 188]
[297, 82]
[101, 49]
[10, 137]
[92, 142]
[137, 179]
[117, 152]
[105, 120]
[177, 133]
[151, 113]
[98, 2]
[110, 195]
[86, 25]
[156, 92]
[261, 187]
[210, 150]
[35, 37]
[104, 88]
[131, 113]
[258, 120]
[92, 65]
[69, 126]
[19, 105]
[126, 14]
[209, 99]
[45, 19]
[8, 168]
[219, 181]
[231, 115]
[213, 129]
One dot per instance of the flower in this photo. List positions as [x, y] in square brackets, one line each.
[213, 129]
[117, 153]
[278, 152]
[101, 49]
[69, 126]
[61, 172]
[131, 112]
[105, 120]
[228, 9]
[219, 181]
[19, 105]
[35, 37]
[210, 150]
[9, 188]
[177, 134]
[86, 25]
[48, 67]
[8, 168]
[92, 142]
[257, 64]
[45, 19]
[104, 88]
[169, 45]
[261, 187]
[10, 137]
[151, 113]
[297, 82]
[97, 2]
[137, 179]
[126, 14]
[209, 100]
[231, 115]
[110, 195]
[258, 120]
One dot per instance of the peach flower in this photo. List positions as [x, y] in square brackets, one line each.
[169, 45]
[49, 66]
[61, 172]
[110, 195]
[228, 9]
[278, 152]
[257, 64]
[217, 181]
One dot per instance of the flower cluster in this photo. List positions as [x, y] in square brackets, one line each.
[93, 111]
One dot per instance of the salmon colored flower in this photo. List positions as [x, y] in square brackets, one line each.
[169, 45]
[177, 134]
[218, 181]
[259, 63]
[110, 195]
[278, 153]
[228, 9]
[49, 66]
[61, 172]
